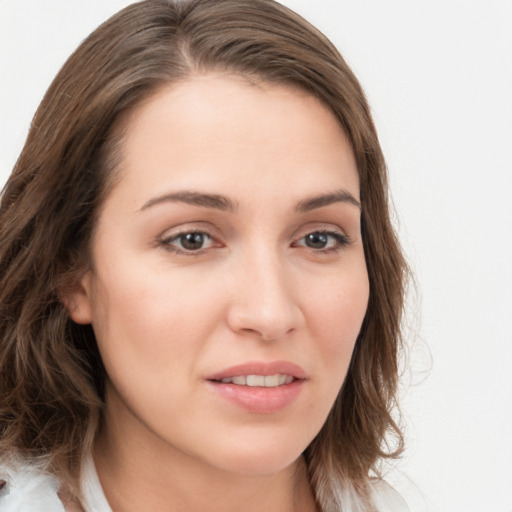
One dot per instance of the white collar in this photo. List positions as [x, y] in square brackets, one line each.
[93, 496]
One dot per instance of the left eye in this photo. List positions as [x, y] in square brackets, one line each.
[189, 242]
[323, 240]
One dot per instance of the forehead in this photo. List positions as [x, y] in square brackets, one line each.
[230, 134]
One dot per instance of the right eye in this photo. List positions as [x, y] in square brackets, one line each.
[188, 242]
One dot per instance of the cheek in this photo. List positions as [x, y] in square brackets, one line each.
[148, 321]
[335, 312]
[339, 306]
[335, 315]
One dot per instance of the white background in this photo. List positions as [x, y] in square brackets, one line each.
[438, 74]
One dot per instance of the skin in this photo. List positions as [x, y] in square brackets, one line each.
[255, 290]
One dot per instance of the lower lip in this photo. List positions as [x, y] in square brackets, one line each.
[260, 400]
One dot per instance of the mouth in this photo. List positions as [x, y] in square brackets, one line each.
[260, 387]
[263, 381]
[260, 374]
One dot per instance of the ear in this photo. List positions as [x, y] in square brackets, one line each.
[76, 298]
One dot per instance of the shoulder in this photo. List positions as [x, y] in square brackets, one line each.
[386, 498]
[27, 488]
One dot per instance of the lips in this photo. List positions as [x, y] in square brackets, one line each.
[260, 387]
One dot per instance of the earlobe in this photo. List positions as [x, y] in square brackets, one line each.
[77, 300]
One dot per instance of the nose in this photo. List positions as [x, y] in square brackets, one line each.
[264, 299]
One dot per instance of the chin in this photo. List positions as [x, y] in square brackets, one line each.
[258, 459]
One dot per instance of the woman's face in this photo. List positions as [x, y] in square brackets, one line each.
[229, 281]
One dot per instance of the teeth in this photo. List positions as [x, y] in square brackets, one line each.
[255, 380]
[271, 381]
[267, 381]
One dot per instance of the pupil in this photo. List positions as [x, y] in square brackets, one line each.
[316, 240]
[192, 241]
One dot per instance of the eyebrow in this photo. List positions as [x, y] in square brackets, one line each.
[339, 196]
[214, 201]
[223, 203]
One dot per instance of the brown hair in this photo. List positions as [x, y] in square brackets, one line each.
[51, 375]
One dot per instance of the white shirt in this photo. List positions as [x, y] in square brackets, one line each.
[28, 489]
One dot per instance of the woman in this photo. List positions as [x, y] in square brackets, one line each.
[201, 289]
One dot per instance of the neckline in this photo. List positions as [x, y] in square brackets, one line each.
[94, 499]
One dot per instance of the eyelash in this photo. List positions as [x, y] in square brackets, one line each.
[341, 240]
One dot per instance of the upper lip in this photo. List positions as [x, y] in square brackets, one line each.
[261, 368]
